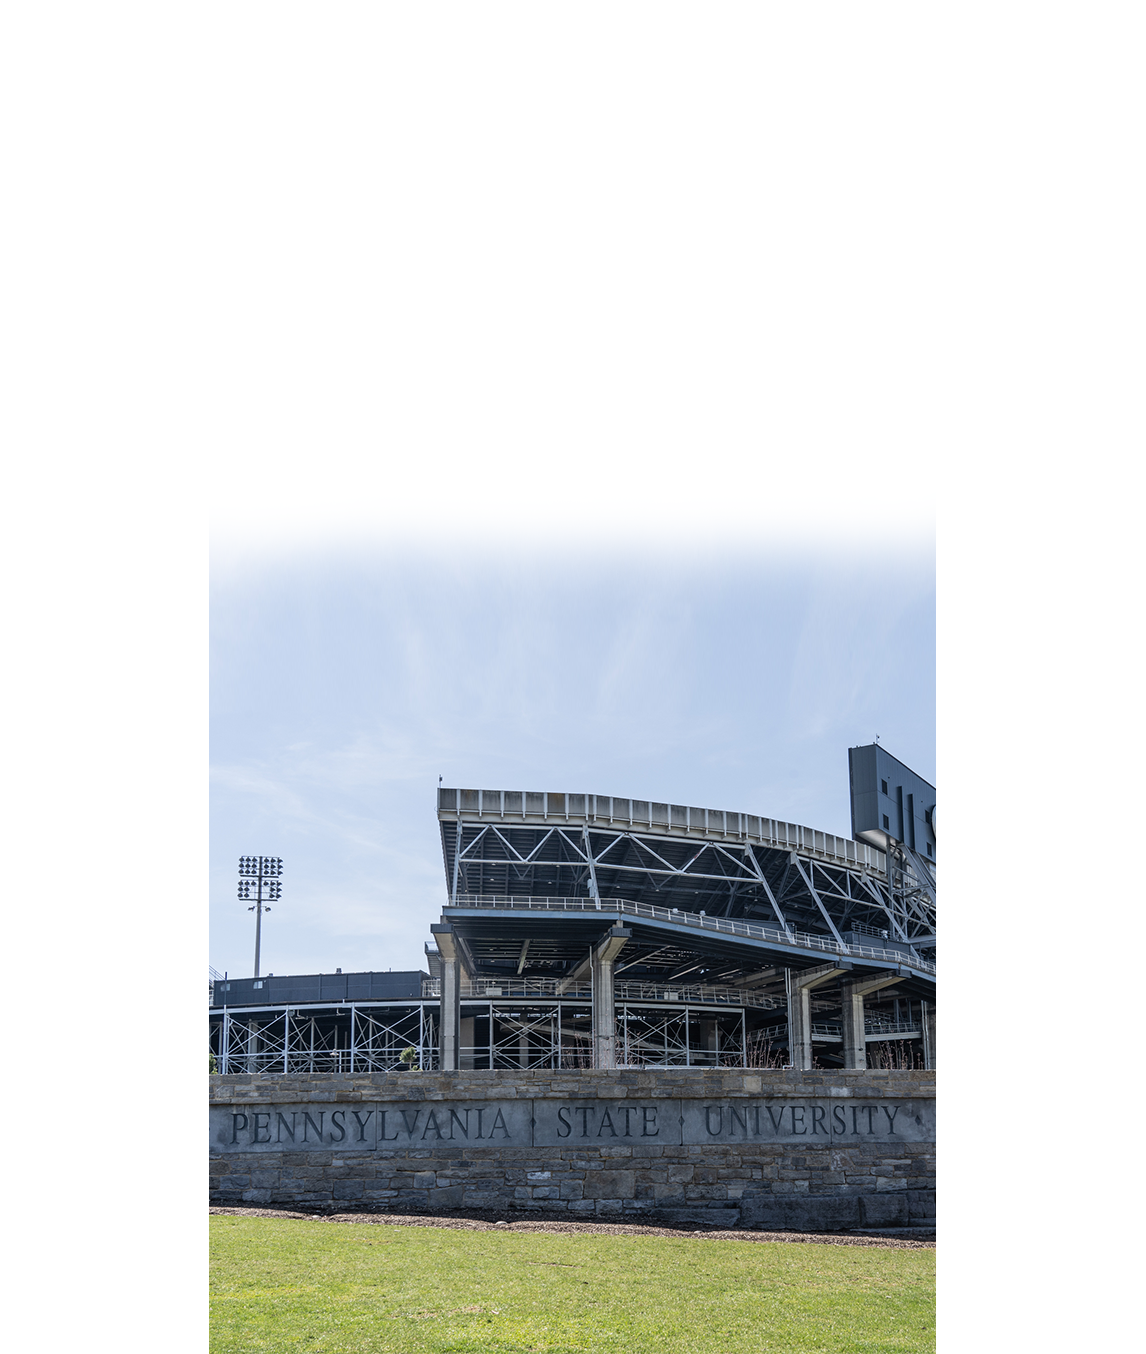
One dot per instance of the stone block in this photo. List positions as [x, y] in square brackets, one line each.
[712, 1217]
[480, 1198]
[785, 1213]
[884, 1210]
[610, 1184]
[705, 1192]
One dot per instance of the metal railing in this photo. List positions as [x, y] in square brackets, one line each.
[831, 1030]
[892, 1028]
[826, 945]
[708, 994]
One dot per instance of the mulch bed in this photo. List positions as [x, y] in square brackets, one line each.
[478, 1221]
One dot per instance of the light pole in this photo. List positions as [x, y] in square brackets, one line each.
[260, 873]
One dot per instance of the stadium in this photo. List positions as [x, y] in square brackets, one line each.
[590, 931]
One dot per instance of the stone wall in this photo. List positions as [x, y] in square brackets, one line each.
[772, 1149]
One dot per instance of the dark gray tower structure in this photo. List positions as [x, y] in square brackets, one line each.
[891, 803]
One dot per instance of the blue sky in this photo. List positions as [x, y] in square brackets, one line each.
[345, 683]
[574, 422]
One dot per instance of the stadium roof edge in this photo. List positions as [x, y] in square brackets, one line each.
[537, 807]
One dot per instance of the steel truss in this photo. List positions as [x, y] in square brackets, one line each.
[506, 1035]
[651, 1037]
[524, 1036]
[725, 878]
[350, 1038]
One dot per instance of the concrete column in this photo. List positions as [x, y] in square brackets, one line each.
[602, 958]
[855, 1035]
[449, 1025]
[800, 1027]
[800, 1010]
[855, 1046]
[927, 1013]
[449, 1030]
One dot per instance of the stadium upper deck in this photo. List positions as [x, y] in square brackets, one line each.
[511, 844]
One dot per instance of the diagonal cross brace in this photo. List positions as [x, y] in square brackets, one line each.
[812, 890]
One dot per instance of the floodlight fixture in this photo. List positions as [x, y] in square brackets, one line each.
[260, 874]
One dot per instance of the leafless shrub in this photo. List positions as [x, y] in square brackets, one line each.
[763, 1052]
[894, 1054]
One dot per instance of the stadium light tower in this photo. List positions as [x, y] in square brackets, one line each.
[261, 874]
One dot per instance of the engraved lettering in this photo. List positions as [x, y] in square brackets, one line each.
[362, 1125]
[282, 1123]
[870, 1110]
[646, 1111]
[606, 1122]
[262, 1128]
[733, 1115]
[818, 1115]
[308, 1122]
[410, 1127]
[564, 1127]
[629, 1110]
[335, 1116]
[776, 1118]
[891, 1117]
[432, 1122]
[854, 1113]
[499, 1122]
[481, 1111]
[797, 1109]
[714, 1132]
[235, 1125]
[455, 1118]
[756, 1127]
[584, 1111]
[839, 1123]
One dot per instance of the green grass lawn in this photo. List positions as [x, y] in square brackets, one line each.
[301, 1285]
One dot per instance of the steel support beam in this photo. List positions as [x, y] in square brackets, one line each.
[457, 861]
[594, 891]
[807, 878]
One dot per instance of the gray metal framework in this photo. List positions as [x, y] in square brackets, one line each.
[354, 1037]
[586, 931]
[771, 914]
[522, 844]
